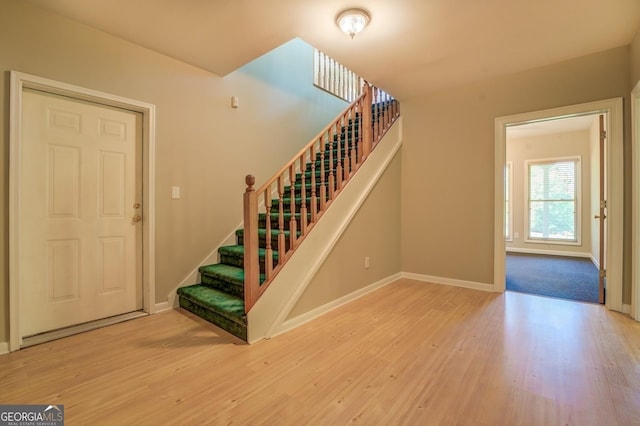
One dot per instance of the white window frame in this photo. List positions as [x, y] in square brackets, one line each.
[578, 201]
[508, 181]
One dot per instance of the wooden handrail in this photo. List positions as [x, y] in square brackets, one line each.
[325, 165]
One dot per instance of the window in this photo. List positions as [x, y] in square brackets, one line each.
[553, 200]
[508, 215]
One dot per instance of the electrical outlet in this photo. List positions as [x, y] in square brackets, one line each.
[367, 262]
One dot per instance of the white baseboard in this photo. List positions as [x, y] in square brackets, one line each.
[321, 310]
[595, 262]
[164, 306]
[4, 348]
[448, 281]
[626, 309]
[548, 252]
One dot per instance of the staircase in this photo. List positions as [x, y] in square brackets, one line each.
[219, 297]
[322, 169]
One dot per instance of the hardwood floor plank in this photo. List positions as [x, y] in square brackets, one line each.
[409, 353]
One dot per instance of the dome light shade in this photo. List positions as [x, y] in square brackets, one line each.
[353, 21]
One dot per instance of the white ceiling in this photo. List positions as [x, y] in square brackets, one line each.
[410, 46]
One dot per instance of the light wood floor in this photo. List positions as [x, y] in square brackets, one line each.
[410, 353]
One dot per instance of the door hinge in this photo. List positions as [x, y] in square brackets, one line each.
[603, 273]
[603, 134]
[603, 204]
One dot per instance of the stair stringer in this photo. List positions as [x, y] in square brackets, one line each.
[266, 317]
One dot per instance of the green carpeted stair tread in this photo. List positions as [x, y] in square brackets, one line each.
[275, 220]
[216, 307]
[263, 232]
[342, 161]
[262, 238]
[224, 304]
[286, 201]
[334, 152]
[234, 255]
[228, 273]
[307, 184]
[225, 277]
[275, 216]
[317, 168]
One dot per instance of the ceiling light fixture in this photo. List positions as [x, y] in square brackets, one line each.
[353, 21]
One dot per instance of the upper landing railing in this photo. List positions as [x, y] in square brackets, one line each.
[297, 196]
[333, 77]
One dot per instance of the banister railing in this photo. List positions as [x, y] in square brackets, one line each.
[335, 78]
[303, 189]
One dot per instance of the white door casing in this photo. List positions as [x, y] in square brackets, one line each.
[80, 184]
[614, 188]
[19, 83]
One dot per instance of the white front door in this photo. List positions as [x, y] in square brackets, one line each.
[80, 230]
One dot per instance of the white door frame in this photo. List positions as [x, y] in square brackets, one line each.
[615, 194]
[635, 196]
[20, 81]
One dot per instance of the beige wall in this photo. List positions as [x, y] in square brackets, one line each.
[448, 160]
[557, 145]
[202, 144]
[373, 232]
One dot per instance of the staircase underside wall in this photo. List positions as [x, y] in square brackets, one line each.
[374, 233]
[348, 226]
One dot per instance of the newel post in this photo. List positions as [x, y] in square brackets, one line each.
[367, 134]
[251, 259]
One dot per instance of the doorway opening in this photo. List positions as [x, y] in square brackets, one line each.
[611, 109]
[553, 189]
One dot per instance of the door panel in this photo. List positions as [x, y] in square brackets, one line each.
[80, 182]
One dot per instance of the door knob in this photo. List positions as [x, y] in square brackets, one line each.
[598, 217]
[137, 218]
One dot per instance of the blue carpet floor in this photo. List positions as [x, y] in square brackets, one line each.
[556, 276]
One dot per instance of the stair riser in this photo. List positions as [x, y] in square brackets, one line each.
[328, 162]
[239, 262]
[327, 170]
[351, 135]
[275, 224]
[307, 186]
[262, 242]
[328, 159]
[351, 127]
[334, 144]
[238, 330]
[307, 192]
[341, 157]
[219, 284]
[286, 204]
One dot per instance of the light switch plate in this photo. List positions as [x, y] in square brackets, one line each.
[175, 192]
